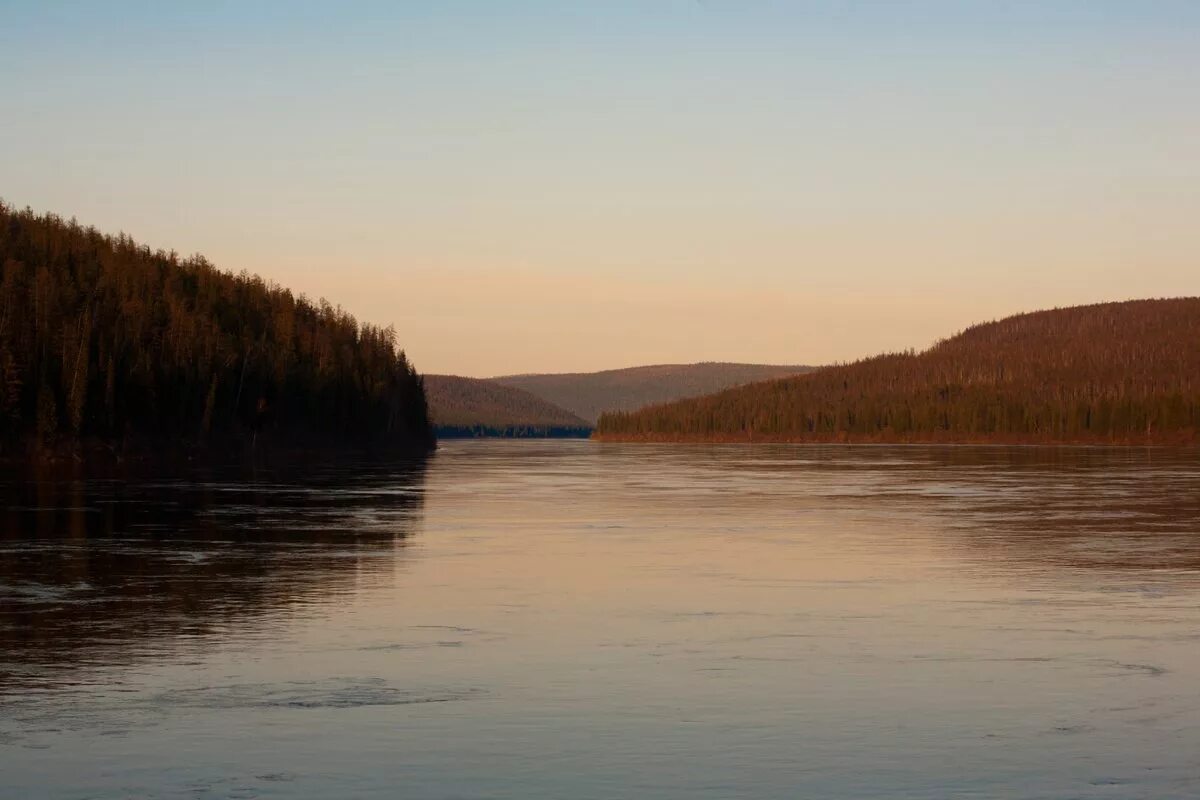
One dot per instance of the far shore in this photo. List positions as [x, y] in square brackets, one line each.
[1184, 438]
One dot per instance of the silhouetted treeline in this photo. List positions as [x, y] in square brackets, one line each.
[104, 341]
[1120, 372]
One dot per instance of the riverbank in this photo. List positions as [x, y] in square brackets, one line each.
[1180, 438]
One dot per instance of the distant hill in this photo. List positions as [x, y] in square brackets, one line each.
[589, 394]
[1114, 372]
[109, 346]
[477, 407]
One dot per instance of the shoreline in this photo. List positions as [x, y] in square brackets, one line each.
[182, 453]
[1174, 439]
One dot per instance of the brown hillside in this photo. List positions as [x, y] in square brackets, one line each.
[1113, 372]
[476, 403]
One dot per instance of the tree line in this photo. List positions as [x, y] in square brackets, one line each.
[105, 341]
[1115, 372]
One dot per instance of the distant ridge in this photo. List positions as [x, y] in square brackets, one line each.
[588, 394]
[462, 407]
[1125, 372]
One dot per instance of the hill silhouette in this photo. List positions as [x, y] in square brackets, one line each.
[477, 407]
[589, 394]
[1125, 372]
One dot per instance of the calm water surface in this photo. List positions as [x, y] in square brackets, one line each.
[582, 620]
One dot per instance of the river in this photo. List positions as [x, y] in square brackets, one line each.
[571, 619]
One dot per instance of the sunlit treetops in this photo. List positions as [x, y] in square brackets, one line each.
[1114, 372]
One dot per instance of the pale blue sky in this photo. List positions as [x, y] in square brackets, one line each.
[563, 186]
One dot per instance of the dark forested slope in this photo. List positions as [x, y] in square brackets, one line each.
[1115, 372]
[589, 394]
[476, 407]
[103, 341]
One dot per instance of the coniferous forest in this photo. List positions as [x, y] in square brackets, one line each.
[1115, 372]
[104, 342]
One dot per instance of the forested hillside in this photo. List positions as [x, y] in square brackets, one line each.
[103, 341]
[589, 394]
[476, 407]
[1116, 372]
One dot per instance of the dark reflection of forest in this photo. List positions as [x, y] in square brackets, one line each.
[103, 569]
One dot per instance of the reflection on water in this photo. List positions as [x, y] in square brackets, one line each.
[573, 619]
[1103, 508]
[100, 570]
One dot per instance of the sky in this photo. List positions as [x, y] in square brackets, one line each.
[570, 186]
